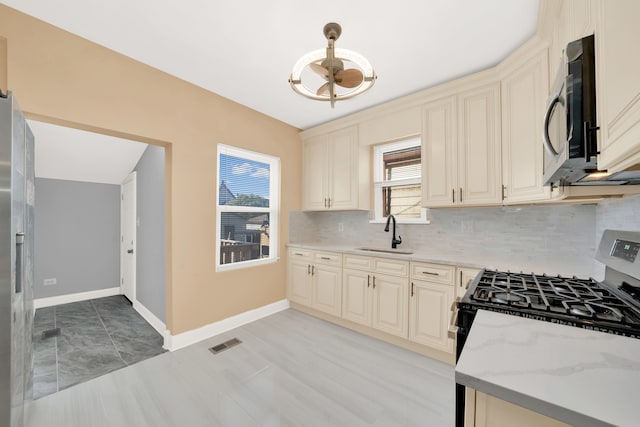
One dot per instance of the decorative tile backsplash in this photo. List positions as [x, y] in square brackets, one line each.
[559, 239]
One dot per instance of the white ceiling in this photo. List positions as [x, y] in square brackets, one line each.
[244, 50]
[76, 155]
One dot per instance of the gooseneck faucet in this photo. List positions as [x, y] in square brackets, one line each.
[394, 242]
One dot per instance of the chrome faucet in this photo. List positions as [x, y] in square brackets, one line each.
[394, 242]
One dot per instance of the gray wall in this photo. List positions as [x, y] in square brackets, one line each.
[559, 239]
[77, 225]
[150, 272]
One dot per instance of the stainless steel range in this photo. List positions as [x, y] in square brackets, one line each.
[611, 305]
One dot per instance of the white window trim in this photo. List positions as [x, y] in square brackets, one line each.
[379, 183]
[273, 210]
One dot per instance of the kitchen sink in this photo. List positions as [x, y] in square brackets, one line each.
[386, 251]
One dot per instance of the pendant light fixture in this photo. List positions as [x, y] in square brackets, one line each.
[346, 73]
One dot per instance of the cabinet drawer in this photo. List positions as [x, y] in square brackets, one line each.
[328, 258]
[433, 272]
[358, 262]
[296, 254]
[391, 266]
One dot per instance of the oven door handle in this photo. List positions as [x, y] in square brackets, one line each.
[453, 323]
[547, 118]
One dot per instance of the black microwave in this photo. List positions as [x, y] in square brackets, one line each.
[569, 135]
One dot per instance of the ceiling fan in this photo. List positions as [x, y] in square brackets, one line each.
[330, 65]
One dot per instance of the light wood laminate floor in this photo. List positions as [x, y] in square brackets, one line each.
[290, 370]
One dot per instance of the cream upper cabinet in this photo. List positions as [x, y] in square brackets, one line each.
[439, 148]
[524, 91]
[335, 172]
[375, 293]
[461, 142]
[618, 83]
[431, 298]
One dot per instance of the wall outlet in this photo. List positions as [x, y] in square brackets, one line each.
[340, 226]
[49, 282]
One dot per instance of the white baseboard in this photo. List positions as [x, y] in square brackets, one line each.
[80, 296]
[184, 339]
[153, 320]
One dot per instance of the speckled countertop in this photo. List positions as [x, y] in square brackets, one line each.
[581, 377]
[450, 259]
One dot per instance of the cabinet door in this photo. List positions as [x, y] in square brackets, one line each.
[479, 165]
[390, 304]
[356, 296]
[439, 162]
[465, 277]
[618, 85]
[343, 169]
[327, 289]
[524, 93]
[430, 313]
[494, 412]
[314, 173]
[299, 283]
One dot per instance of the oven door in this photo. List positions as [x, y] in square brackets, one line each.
[555, 133]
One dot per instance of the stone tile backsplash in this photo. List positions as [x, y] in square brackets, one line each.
[559, 239]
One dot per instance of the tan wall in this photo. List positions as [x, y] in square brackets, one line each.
[64, 79]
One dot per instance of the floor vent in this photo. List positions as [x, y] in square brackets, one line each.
[224, 346]
[50, 333]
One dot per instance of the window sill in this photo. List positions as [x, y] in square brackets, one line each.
[245, 264]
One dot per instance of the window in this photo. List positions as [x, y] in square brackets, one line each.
[398, 181]
[247, 208]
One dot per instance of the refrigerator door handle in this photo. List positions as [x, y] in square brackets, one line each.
[19, 256]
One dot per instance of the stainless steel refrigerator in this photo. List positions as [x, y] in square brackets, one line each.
[16, 261]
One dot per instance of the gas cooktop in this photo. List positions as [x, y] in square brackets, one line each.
[549, 296]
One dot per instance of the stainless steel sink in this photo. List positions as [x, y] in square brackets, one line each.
[386, 251]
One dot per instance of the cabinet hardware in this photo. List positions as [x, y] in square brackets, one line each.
[329, 203]
[299, 254]
[453, 195]
[411, 288]
[368, 280]
[461, 278]
[460, 194]
[313, 270]
[325, 202]
[374, 282]
[325, 258]
[503, 190]
[308, 268]
[430, 273]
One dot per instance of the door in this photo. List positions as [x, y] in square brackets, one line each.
[429, 314]
[390, 300]
[300, 283]
[356, 296]
[314, 168]
[128, 237]
[327, 287]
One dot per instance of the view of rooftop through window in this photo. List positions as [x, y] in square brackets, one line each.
[398, 171]
[245, 205]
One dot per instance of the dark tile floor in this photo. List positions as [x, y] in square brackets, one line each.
[96, 337]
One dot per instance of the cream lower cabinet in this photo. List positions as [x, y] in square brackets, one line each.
[483, 410]
[464, 278]
[315, 280]
[431, 298]
[373, 297]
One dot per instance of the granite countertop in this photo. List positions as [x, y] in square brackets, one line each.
[578, 376]
[449, 259]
